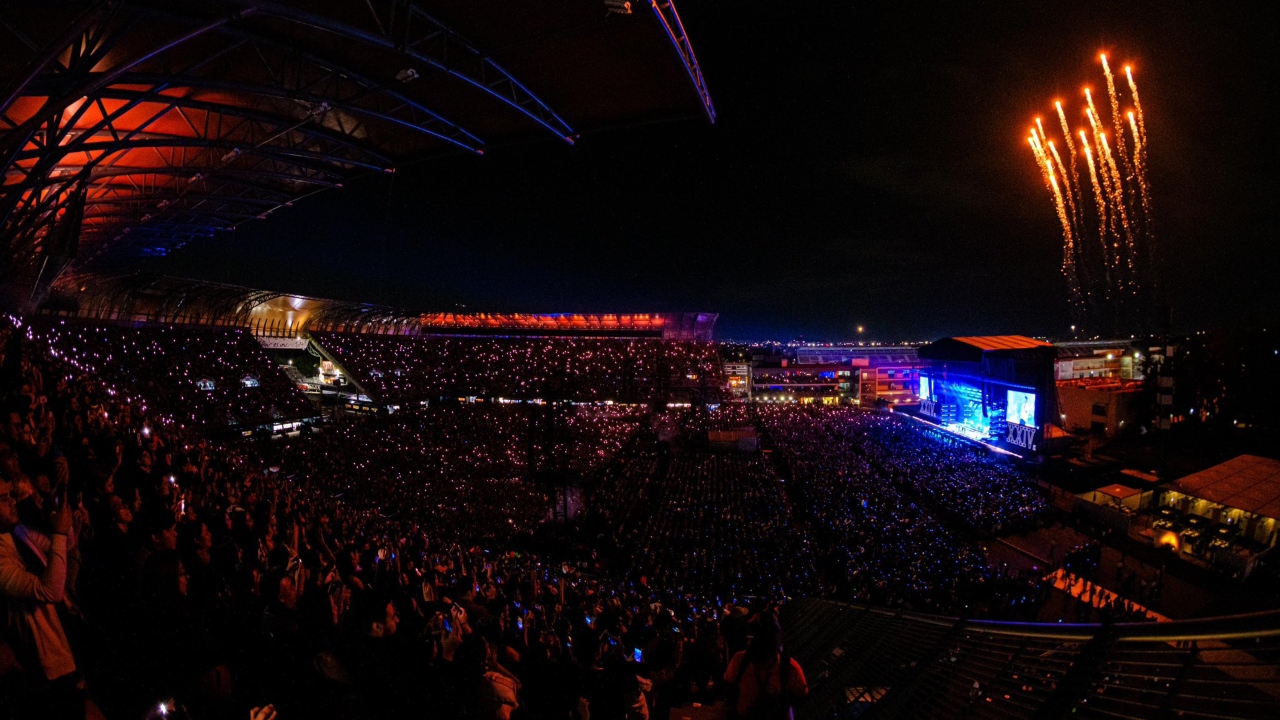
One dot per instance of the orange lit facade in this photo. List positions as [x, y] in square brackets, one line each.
[669, 326]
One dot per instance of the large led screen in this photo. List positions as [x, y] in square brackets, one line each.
[1021, 408]
[925, 391]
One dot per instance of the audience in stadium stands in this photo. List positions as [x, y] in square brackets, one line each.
[401, 369]
[705, 524]
[395, 566]
[205, 378]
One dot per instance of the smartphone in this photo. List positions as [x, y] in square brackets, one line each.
[448, 624]
[638, 655]
[590, 621]
[520, 624]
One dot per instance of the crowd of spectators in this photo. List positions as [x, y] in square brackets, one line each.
[882, 545]
[209, 379]
[707, 525]
[459, 470]
[836, 509]
[984, 493]
[383, 565]
[881, 541]
[148, 571]
[412, 369]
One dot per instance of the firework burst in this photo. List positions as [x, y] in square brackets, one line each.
[1108, 244]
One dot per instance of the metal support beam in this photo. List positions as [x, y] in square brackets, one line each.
[434, 50]
[187, 171]
[51, 52]
[294, 155]
[290, 124]
[466, 141]
[669, 19]
[98, 81]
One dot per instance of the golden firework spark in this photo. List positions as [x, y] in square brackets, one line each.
[1140, 149]
[1124, 253]
[1100, 201]
[1137, 104]
[1071, 152]
[1140, 162]
[1117, 120]
[1050, 165]
[1066, 181]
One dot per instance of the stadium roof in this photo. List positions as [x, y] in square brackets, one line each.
[1247, 482]
[1002, 342]
[1091, 348]
[972, 349]
[130, 128]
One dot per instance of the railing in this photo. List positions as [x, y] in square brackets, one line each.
[870, 662]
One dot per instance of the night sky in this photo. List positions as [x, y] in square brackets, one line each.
[869, 167]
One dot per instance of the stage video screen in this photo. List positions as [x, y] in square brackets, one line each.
[925, 391]
[1021, 408]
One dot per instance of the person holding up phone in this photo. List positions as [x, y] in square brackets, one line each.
[32, 583]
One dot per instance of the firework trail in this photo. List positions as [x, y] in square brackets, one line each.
[1140, 159]
[1108, 254]
[1117, 190]
[1050, 170]
[1140, 135]
[1091, 113]
[1068, 183]
[1071, 151]
[1068, 231]
[1062, 173]
[1129, 176]
[1040, 163]
[1101, 202]
[1111, 229]
[1117, 120]
[1140, 162]
[1137, 104]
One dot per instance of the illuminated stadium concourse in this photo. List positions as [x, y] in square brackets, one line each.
[372, 360]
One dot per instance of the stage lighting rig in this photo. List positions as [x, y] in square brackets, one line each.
[617, 7]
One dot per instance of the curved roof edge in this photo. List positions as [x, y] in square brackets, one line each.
[141, 299]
